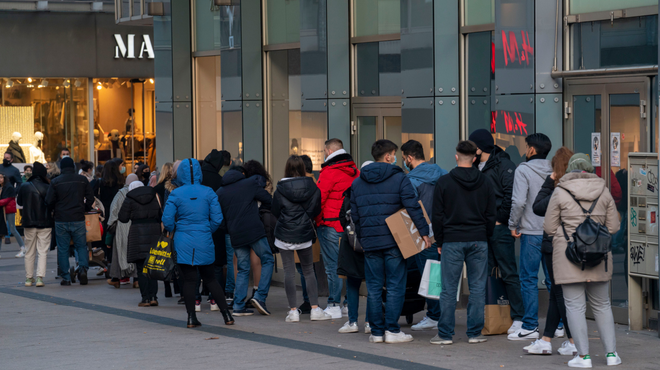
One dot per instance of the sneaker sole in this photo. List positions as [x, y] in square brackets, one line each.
[375, 340]
[527, 337]
[422, 329]
[443, 343]
[349, 331]
[476, 341]
[544, 352]
[40, 285]
[574, 353]
[198, 309]
[261, 310]
[321, 319]
[243, 314]
[215, 308]
[398, 341]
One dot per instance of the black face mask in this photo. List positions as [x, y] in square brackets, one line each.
[6, 162]
[477, 159]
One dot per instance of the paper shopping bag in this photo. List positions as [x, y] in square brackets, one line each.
[431, 284]
[93, 227]
[497, 312]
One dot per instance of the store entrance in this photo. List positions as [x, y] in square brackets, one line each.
[607, 118]
[374, 122]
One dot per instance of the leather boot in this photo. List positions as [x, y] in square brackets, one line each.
[192, 320]
[229, 320]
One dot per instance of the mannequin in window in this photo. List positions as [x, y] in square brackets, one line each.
[36, 154]
[129, 121]
[15, 148]
[114, 140]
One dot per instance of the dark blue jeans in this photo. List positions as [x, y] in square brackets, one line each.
[385, 268]
[432, 305]
[262, 250]
[475, 256]
[329, 240]
[530, 260]
[353, 298]
[65, 232]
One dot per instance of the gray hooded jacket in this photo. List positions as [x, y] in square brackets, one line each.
[527, 182]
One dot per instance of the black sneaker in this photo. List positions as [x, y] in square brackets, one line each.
[248, 304]
[82, 276]
[229, 298]
[243, 312]
[305, 308]
[181, 301]
[65, 282]
[260, 306]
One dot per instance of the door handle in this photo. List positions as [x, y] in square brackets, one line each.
[353, 128]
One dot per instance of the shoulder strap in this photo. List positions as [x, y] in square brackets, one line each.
[591, 209]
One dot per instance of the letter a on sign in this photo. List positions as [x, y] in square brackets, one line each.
[146, 46]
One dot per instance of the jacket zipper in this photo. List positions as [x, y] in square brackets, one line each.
[192, 263]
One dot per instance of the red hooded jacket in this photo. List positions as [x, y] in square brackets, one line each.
[9, 202]
[615, 187]
[336, 176]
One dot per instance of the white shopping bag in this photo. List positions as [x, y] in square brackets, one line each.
[431, 285]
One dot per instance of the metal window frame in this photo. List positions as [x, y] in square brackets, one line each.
[611, 14]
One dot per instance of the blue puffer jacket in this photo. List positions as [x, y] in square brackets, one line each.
[379, 192]
[194, 209]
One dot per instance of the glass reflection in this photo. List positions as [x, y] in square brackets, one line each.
[379, 68]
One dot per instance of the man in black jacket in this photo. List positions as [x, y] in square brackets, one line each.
[70, 196]
[238, 199]
[463, 220]
[11, 173]
[496, 165]
[37, 223]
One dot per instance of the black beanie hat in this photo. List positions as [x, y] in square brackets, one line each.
[67, 163]
[39, 170]
[483, 139]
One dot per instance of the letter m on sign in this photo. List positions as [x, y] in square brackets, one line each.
[123, 50]
[510, 48]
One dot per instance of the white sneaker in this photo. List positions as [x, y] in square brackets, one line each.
[613, 359]
[198, 306]
[20, 254]
[399, 337]
[476, 340]
[560, 332]
[524, 334]
[349, 327]
[577, 361]
[334, 312]
[292, 316]
[539, 347]
[317, 314]
[214, 306]
[427, 323]
[375, 339]
[344, 311]
[367, 328]
[517, 325]
[567, 349]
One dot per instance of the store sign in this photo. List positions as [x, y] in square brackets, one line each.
[511, 123]
[511, 51]
[127, 50]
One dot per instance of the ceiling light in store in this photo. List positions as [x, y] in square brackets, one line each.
[29, 79]
[77, 83]
[57, 87]
[151, 80]
[44, 82]
[9, 84]
[99, 87]
[66, 83]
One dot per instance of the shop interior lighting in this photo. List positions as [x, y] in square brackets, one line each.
[77, 83]
[66, 83]
[44, 82]
[29, 79]
[99, 87]
[151, 80]
[10, 83]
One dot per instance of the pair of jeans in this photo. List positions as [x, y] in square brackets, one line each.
[329, 240]
[303, 283]
[556, 305]
[38, 242]
[598, 293]
[432, 305]
[502, 254]
[353, 298]
[230, 283]
[262, 249]
[475, 256]
[385, 268]
[11, 226]
[65, 232]
[189, 274]
[307, 261]
[148, 287]
[530, 260]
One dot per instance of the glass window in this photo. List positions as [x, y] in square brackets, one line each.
[626, 42]
[376, 17]
[479, 12]
[312, 134]
[481, 78]
[379, 68]
[207, 25]
[219, 124]
[283, 21]
[55, 107]
[588, 6]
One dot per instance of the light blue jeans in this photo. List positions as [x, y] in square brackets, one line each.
[262, 249]
[329, 240]
[530, 260]
[11, 225]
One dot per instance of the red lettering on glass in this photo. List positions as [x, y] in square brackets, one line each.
[493, 122]
[513, 122]
[511, 51]
[520, 125]
[526, 46]
[492, 57]
[508, 122]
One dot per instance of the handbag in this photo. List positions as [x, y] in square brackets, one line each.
[497, 311]
[431, 285]
[93, 227]
[161, 262]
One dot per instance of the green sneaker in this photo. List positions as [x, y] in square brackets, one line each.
[40, 282]
[29, 281]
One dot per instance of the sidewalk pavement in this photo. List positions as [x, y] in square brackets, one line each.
[98, 326]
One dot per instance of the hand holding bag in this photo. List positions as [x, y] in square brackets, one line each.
[161, 263]
[431, 285]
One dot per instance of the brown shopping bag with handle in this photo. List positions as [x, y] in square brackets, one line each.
[93, 227]
[497, 312]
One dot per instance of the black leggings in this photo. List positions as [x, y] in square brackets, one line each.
[557, 308]
[207, 274]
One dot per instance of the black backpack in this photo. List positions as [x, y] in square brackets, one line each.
[347, 223]
[591, 241]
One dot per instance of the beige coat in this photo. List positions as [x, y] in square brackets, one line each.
[586, 187]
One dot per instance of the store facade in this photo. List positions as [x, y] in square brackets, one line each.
[84, 83]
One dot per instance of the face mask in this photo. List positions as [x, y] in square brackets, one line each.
[122, 170]
[65, 156]
[394, 164]
[405, 165]
[28, 175]
[477, 159]
[6, 162]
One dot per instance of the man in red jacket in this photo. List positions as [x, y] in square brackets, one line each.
[337, 175]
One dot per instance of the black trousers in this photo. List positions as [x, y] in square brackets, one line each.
[206, 272]
[502, 254]
[148, 287]
[556, 308]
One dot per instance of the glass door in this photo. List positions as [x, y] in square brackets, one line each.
[606, 119]
[371, 123]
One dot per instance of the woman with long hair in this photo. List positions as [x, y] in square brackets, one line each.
[86, 169]
[143, 173]
[165, 175]
[112, 180]
[556, 306]
[580, 190]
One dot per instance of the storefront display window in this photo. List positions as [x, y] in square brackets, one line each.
[589, 6]
[376, 17]
[47, 115]
[283, 21]
[207, 25]
[379, 68]
[479, 12]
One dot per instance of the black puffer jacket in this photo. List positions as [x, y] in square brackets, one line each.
[142, 208]
[296, 203]
[500, 171]
[212, 179]
[70, 195]
[32, 197]
[540, 206]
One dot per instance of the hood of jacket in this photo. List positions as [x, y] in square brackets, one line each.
[426, 173]
[143, 195]
[495, 157]
[214, 160]
[467, 178]
[232, 176]
[378, 172]
[297, 189]
[189, 172]
[343, 162]
[584, 186]
[541, 167]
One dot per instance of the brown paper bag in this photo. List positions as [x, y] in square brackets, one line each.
[93, 227]
[316, 252]
[497, 319]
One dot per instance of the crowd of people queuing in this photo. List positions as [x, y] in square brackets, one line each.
[228, 220]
